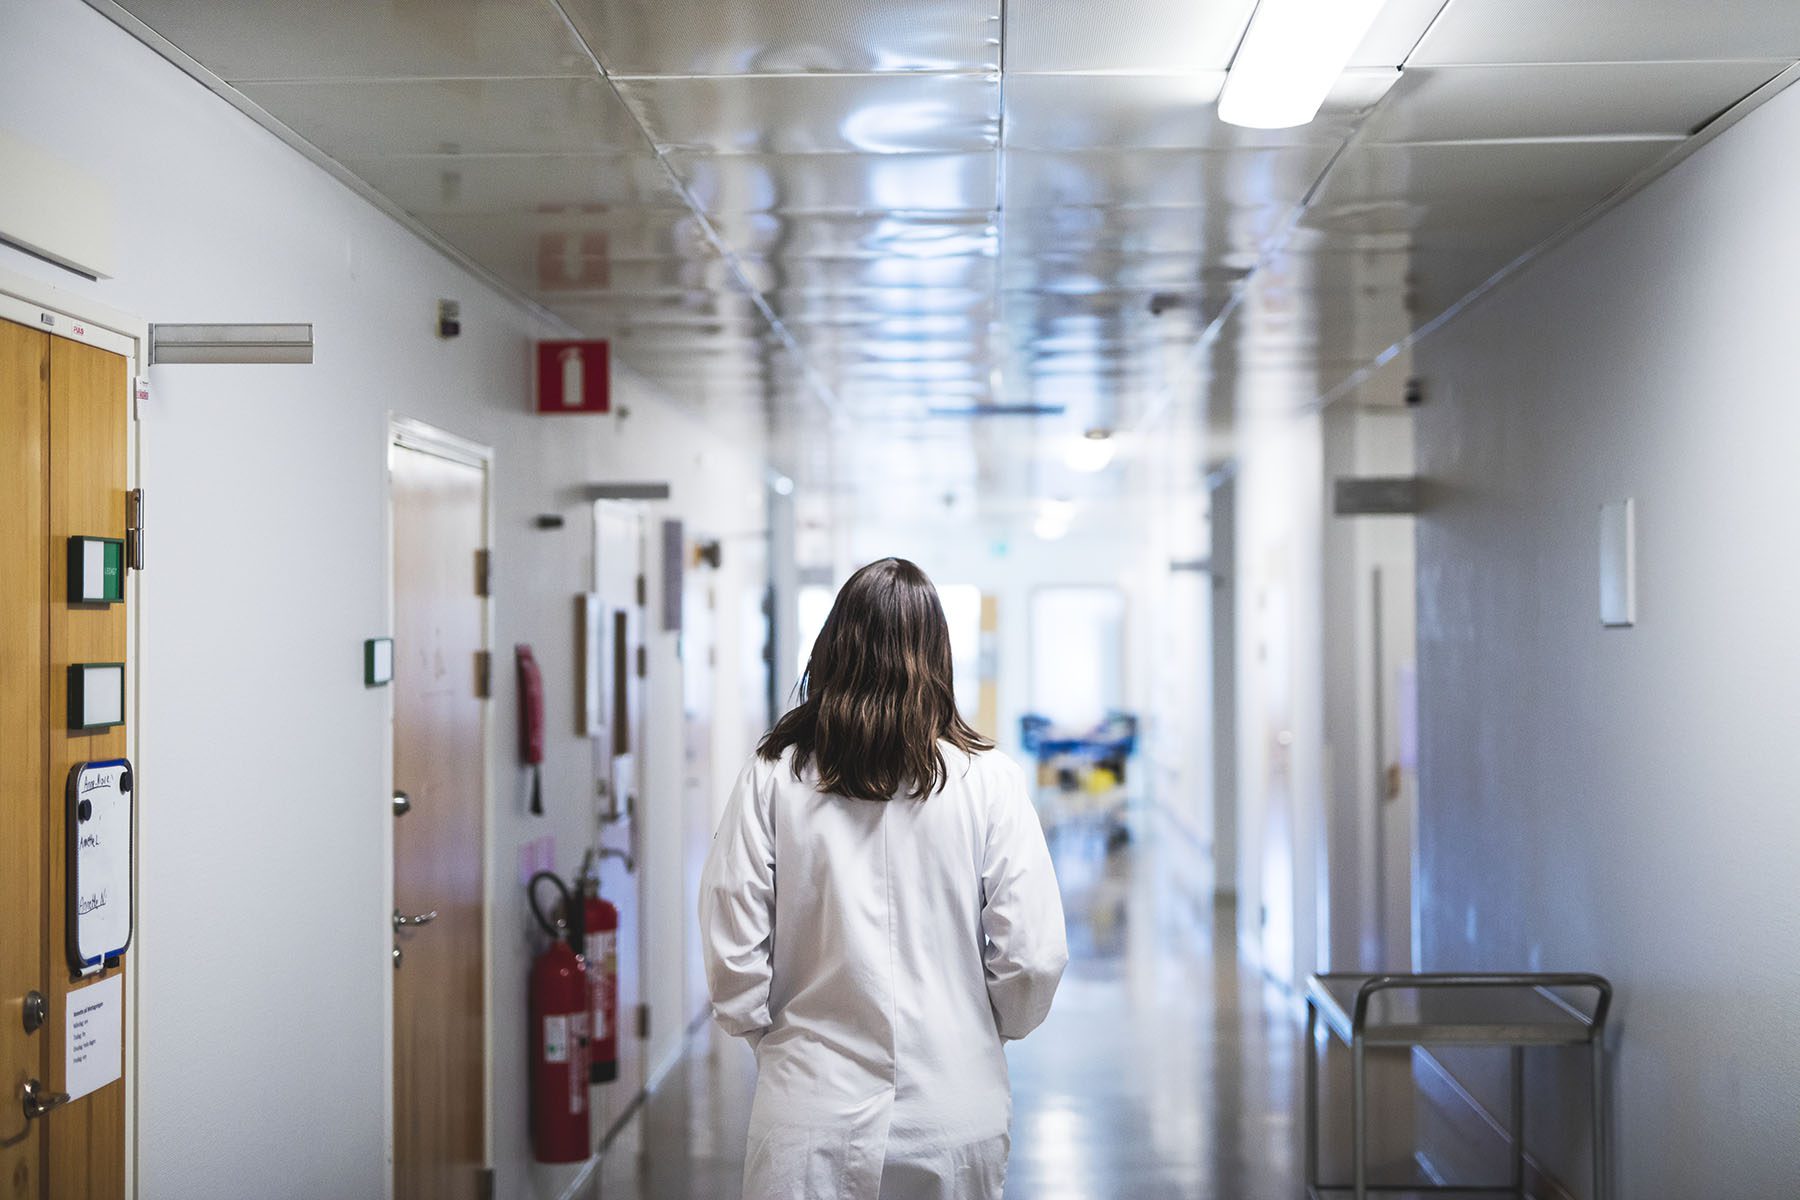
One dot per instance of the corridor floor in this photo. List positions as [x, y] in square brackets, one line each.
[1162, 1073]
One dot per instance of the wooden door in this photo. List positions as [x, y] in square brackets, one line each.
[440, 1038]
[24, 680]
[63, 429]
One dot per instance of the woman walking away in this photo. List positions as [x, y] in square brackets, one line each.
[879, 914]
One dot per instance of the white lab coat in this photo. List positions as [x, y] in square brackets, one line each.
[875, 954]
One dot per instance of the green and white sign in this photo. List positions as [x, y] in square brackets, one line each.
[96, 570]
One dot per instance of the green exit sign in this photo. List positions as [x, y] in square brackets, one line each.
[96, 570]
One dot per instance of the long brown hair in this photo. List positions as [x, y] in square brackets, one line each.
[878, 694]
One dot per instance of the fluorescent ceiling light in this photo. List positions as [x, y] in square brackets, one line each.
[1091, 452]
[1291, 55]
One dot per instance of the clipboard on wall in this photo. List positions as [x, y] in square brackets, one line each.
[99, 820]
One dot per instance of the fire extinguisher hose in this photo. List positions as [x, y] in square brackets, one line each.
[572, 916]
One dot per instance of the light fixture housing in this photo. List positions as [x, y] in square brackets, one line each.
[1289, 59]
[231, 343]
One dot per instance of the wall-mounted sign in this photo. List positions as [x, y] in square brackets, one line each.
[99, 824]
[378, 662]
[96, 695]
[572, 377]
[94, 1038]
[1618, 564]
[96, 570]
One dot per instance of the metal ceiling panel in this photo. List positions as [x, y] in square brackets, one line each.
[820, 114]
[558, 238]
[1396, 32]
[1602, 31]
[1156, 112]
[518, 183]
[780, 37]
[846, 183]
[371, 118]
[825, 275]
[1252, 178]
[1149, 260]
[1160, 36]
[348, 39]
[1092, 112]
[1547, 101]
[1473, 184]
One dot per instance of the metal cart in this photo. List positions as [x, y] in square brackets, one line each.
[1511, 1010]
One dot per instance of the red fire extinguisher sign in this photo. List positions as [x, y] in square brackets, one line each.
[573, 377]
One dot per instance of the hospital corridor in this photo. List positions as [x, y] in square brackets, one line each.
[899, 600]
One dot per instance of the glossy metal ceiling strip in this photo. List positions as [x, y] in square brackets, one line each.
[190, 66]
[1625, 191]
[727, 254]
[1270, 249]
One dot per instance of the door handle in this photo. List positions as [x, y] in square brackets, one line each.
[401, 921]
[39, 1102]
[402, 803]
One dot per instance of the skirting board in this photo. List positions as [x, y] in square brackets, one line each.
[1474, 1126]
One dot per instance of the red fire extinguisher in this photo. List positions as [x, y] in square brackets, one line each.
[559, 1041]
[600, 920]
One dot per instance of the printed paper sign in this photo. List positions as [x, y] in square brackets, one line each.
[95, 1042]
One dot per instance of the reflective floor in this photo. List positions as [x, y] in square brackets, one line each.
[1162, 1072]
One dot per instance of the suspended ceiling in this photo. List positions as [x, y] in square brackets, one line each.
[854, 221]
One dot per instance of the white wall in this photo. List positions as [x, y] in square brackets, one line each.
[1362, 438]
[1623, 800]
[263, 950]
[1174, 644]
[1280, 722]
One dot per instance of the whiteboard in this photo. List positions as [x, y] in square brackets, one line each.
[99, 823]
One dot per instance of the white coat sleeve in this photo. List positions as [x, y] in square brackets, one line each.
[1021, 914]
[737, 909]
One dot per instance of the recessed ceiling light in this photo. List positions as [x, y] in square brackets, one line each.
[1289, 59]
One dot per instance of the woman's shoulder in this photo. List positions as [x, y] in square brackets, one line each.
[992, 767]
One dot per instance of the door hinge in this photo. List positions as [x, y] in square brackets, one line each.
[643, 663]
[643, 592]
[134, 529]
[484, 674]
[643, 1022]
[484, 565]
[484, 1183]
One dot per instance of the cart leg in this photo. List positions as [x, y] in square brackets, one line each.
[1518, 1120]
[1359, 1120]
[1312, 1098]
[1598, 1049]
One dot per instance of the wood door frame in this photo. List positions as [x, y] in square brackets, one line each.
[412, 434]
[43, 305]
